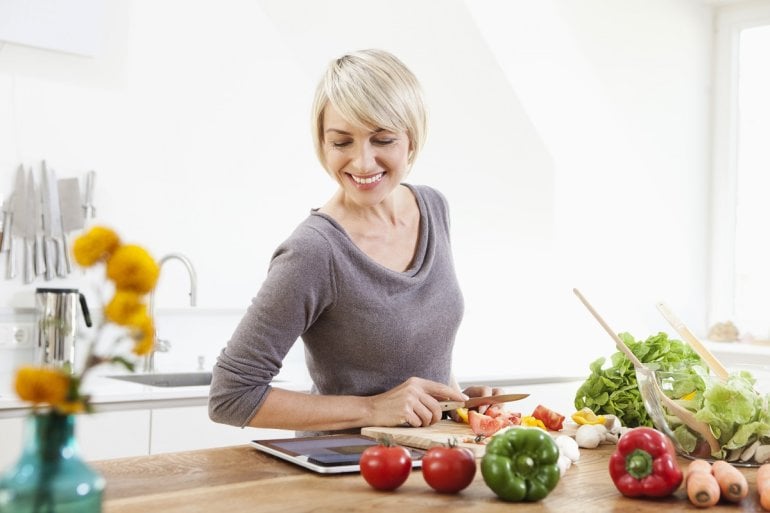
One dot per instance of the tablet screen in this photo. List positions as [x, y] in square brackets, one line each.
[325, 454]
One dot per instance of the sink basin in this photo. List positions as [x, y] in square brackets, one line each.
[172, 379]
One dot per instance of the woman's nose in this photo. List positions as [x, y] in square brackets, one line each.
[365, 160]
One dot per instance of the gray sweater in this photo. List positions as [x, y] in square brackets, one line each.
[366, 328]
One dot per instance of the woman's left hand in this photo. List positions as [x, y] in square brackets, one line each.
[482, 391]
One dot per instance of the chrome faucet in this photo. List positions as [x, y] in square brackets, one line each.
[161, 345]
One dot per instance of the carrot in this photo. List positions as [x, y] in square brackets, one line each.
[763, 486]
[731, 481]
[702, 486]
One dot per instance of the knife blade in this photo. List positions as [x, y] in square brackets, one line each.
[478, 401]
[49, 246]
[71, 212]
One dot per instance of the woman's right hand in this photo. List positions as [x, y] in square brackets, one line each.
[415, 402]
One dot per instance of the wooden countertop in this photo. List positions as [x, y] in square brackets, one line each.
[242, 479]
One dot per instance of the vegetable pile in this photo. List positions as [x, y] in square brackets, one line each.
[614, 391]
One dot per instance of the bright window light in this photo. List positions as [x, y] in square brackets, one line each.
[752, 205]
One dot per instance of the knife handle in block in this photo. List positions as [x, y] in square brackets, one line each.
[49, 252]
[29, 261]
[61, 264]
[10, 259]
[66, 254]
[39, 255]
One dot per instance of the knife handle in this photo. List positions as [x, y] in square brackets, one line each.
[10, 259]
[50, 258]
[451, 405]
[66, 253]
[29, 260]
[7, 226]
[39, 255]
[61, 265]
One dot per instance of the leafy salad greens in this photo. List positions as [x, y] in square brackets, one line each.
[614, 390]
[736, 413]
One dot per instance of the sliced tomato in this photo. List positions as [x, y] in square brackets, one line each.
[506, 417]
[550, 418]
[484, 424]
[511, 418]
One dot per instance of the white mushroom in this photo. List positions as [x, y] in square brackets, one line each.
[568, 447]
[749, 451]
[563, 463]
[613, 425]
[734, 454]
[762, 454]
[590, 436]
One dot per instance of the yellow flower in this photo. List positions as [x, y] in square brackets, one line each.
[124, 306]
[144, 335]
[132, 268]
[42, 386]
[95, 245]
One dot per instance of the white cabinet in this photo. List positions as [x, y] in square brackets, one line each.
[100, 436]
[189, 428]
[11, 432]
[114, 434]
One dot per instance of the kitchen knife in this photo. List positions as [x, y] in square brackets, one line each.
[37, 226]
[71, 212]
[7, 217]
[49, 246]
[17, 218]
[7, 245]
[479, 401]
[29, 228]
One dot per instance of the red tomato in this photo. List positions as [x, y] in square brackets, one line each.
[484, 424]
[385, 467]
[507, 418]
[448, 469]
[550, 418]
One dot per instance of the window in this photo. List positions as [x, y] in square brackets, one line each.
[740, 285]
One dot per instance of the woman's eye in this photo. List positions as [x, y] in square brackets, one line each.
[342, 144]
[384, 142]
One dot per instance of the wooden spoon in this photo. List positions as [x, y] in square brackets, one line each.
[685, 415]
[715, 365]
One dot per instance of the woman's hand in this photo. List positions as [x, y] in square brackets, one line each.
[482, 391]
[415, 402]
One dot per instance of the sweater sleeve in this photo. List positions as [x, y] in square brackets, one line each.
[299, 286]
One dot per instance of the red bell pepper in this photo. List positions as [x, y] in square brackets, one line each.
[644, 464]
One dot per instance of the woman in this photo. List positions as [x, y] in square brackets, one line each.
[367, 280]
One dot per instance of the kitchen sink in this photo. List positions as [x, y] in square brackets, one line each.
[171, 379]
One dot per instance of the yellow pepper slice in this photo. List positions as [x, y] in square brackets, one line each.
[463, 414]
[587, 416]
[689, 396]
[532, 422]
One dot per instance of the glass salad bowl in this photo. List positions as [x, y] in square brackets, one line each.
[735, 410]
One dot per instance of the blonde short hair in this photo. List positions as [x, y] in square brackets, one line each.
[371, 89]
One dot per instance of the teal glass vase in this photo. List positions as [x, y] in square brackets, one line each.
[50, 476]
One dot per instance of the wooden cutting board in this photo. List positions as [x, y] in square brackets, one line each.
[426, 437]
[441, 432]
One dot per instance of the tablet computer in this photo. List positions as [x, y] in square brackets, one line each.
[325, 454]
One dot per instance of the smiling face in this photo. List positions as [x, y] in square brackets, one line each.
[368, 163]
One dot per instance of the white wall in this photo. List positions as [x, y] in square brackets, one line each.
[569, 137]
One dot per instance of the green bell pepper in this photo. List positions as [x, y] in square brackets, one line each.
[520, 464]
